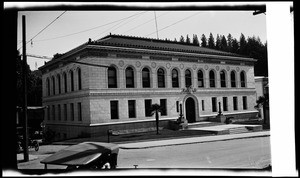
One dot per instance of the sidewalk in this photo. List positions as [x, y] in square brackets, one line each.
[192, 140]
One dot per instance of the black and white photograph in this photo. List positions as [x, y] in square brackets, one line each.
[153, 89]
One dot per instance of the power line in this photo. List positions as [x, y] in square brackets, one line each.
[138, 26]
[174, 23]
[44, 28]
[93, 28]
[139, 14]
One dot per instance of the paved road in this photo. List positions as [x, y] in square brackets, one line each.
[239, 153]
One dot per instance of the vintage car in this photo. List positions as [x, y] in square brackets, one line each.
[86, 155]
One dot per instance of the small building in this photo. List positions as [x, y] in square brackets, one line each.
[261, 86]
[262, 90]
[126, 75]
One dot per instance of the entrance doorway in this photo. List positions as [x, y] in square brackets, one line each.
[190, 112]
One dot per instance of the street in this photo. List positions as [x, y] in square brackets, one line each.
[237, 153]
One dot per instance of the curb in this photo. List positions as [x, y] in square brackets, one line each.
[193, 142]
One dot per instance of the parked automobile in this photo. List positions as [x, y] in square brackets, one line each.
[33, 142]
[86, 155]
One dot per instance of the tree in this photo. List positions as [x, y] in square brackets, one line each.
[188, 40]
[263, 101]
[195, 40]
[218, 43]
[243, 45]
[34, 84]
[223, 45]
[235, 46]
[181, 39]
[229, 42]
[155, 108]
[211, 41]
[203, 41]
[175, 40]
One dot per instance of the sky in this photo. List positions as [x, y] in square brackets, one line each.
[74, 28]
[70, 29]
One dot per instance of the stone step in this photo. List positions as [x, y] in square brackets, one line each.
[203, 124]
[238, 130]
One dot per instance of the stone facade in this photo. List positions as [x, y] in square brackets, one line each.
[86, 107]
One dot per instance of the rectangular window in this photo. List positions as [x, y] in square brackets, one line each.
[59, 112]
[72, 80]
[53, 112]
[214, 104]
[59, 84]
[79, 111]
[131, 108]
[114, 109]
[48, 112]
[65, 112]
[245, 103]
[225, 104]
[66, 82]
[235, 103]
[163, 105]
[72, 111]
[177, 106]
[202, 102]
[148, 104]
[112, 77]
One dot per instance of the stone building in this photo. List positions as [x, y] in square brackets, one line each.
[127, 74]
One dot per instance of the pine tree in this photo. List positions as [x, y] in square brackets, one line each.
[175, 40]
[223, 45]
[181, 39]
[195, 40]
[188, 40]
[229, 43]
[243, 45]
[218, 43]
[211, 41]
[235, 46]
[203, 41]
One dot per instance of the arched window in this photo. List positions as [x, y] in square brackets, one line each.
[53, 85]
[200, 79]
[129, 77]
[233, 79]
[146, 78]
[243, 79]
[175, 79]
[188, 78]
[48, 86]
[112, 77]
[59, 84]
[212, 80]
[160, 78]
[223, 78]
[72, 80]
[79, 78]
[65, 82]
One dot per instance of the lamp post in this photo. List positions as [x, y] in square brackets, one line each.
[220, 112]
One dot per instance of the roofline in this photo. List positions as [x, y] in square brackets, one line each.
[69, 53]
[176, 52]
[87, 44]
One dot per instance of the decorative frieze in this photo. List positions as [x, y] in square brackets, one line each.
[161, 58]
[129, 56]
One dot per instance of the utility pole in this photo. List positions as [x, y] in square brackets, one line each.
[25, 136]
[156, 25]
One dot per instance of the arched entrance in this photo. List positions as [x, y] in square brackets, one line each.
[190, 111]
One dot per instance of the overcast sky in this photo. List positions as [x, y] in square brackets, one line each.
[75, 27]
